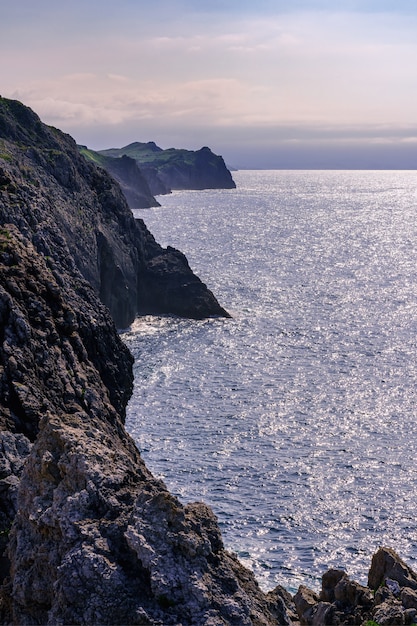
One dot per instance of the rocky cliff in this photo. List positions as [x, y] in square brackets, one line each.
[126, 172]
[176, 168]
[75, 214]
[90, 536]
[87, 535]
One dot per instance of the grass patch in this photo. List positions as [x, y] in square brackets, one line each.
[92, 156]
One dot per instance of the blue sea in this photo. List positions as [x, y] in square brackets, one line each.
[296, 419]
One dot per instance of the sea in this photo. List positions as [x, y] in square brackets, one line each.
[296, 419]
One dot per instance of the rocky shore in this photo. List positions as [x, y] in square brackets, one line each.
[87, 534]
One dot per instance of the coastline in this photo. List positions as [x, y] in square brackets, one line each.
[90, 536]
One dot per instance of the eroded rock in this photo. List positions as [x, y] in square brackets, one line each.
[91, 536]
[387, 564]
[76, 215]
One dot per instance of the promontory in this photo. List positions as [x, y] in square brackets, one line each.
[87, 534]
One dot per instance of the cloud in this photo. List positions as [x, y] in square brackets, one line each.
[91, 99]
[266, 72]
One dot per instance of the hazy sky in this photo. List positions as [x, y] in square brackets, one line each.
[265, 83]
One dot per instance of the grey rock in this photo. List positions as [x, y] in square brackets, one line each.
[409, 598]
[305, 601]
[389, 614]
[387, 564]
[76, 215]
[282, 606]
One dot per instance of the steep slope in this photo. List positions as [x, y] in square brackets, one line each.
[76, 214]
[87, 535]
[177, 168]
[131, 180]
[90, 536]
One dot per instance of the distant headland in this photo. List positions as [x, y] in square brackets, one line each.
[145, 170]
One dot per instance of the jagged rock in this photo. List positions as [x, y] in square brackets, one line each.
[281, 605]
[170, 284]
[389, 614]
[344, 602]
[328, 583]
[95, 538]
[305, 601]
[387, 564]
[91, 536]
[350, 593]
[75, 214]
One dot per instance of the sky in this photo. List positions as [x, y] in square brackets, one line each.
[268, 84]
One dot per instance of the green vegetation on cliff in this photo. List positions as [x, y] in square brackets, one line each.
[177, 168]
[126, 172]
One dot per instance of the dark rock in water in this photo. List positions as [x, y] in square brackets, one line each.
[171, 284]
[389, 599]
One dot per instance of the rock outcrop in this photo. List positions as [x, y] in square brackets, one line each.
[92, 537]
[175, 168]
[390, 597]
[88, 535]
[75, 214]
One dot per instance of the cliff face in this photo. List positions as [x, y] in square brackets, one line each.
[125, 171]
[74, 213]
[177, 168]
[91, 537]
[87, 534]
